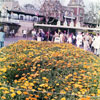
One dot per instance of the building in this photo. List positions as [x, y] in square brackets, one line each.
[78, 8]
[52, 9]
[13, 16]
[74, 11]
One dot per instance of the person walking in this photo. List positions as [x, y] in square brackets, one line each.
[69, 38]
[96, 44]
[33, 34]
[86, 41]
[90, 42]
[24, 33]
[61, 38]
[2, 35]
[56, 37]
[79, 39]
[65, 36]
[39, 36]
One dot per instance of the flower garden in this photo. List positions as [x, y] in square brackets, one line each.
[47, 71]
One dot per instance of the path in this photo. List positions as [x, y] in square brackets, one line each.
[13, 40]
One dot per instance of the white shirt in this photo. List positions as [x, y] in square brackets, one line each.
[79, 39]
[24, 32]
[33, 33]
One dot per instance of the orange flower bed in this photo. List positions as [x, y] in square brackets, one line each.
[48, 71]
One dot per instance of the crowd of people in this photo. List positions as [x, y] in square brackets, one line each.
[83, 40]
[88, 42]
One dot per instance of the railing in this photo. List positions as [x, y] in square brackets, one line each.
[9, 20]
[13, 20]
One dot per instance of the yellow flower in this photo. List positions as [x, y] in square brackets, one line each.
[4, 70]
[63, 98]
[31, 84]
[12, 90]
[98, 91]
[13, 94]
[0, 83]
[6, 92]
[19, 92]
[15, 81]
[44, 78]
[62, 92]
[57, 84]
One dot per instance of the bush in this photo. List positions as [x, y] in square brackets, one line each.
[48, 71]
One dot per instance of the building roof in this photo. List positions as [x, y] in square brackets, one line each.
[74, 3]
[53, 8]
[15, 7]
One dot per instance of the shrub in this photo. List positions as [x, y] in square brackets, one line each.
[48, 71]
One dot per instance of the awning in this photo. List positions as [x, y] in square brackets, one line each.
[67, 27]
[25, 13]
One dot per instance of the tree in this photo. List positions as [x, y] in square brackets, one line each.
[94, 12]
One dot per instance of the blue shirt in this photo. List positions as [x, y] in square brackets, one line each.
[2, 34]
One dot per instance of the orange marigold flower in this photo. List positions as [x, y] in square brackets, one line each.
[26, 93]
[49, 94]
[3, 97]
[33, 99]
[27, 99]
[66, 88]
[36, 96]
[45, 97]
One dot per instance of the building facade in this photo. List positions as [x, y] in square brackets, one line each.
[12, 14]
[15, 17]
[74, 11]
[78, 8]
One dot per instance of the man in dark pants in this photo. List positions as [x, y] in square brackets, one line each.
[2, 34]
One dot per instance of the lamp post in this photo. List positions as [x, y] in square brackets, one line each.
[78, 23]
[98, 19]
[58, 23]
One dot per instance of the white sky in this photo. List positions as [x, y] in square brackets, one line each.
[22, 2]
[64, 2]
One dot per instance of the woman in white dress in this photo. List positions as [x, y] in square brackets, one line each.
[86, 41]
[61, 38]
[56, 38]
[79, 39]
[69, 38]
[34, 34]
[96, 44]
[39, 38]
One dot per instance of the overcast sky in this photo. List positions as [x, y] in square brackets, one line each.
[64, 2]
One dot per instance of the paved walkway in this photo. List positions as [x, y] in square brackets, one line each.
[13, 40]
